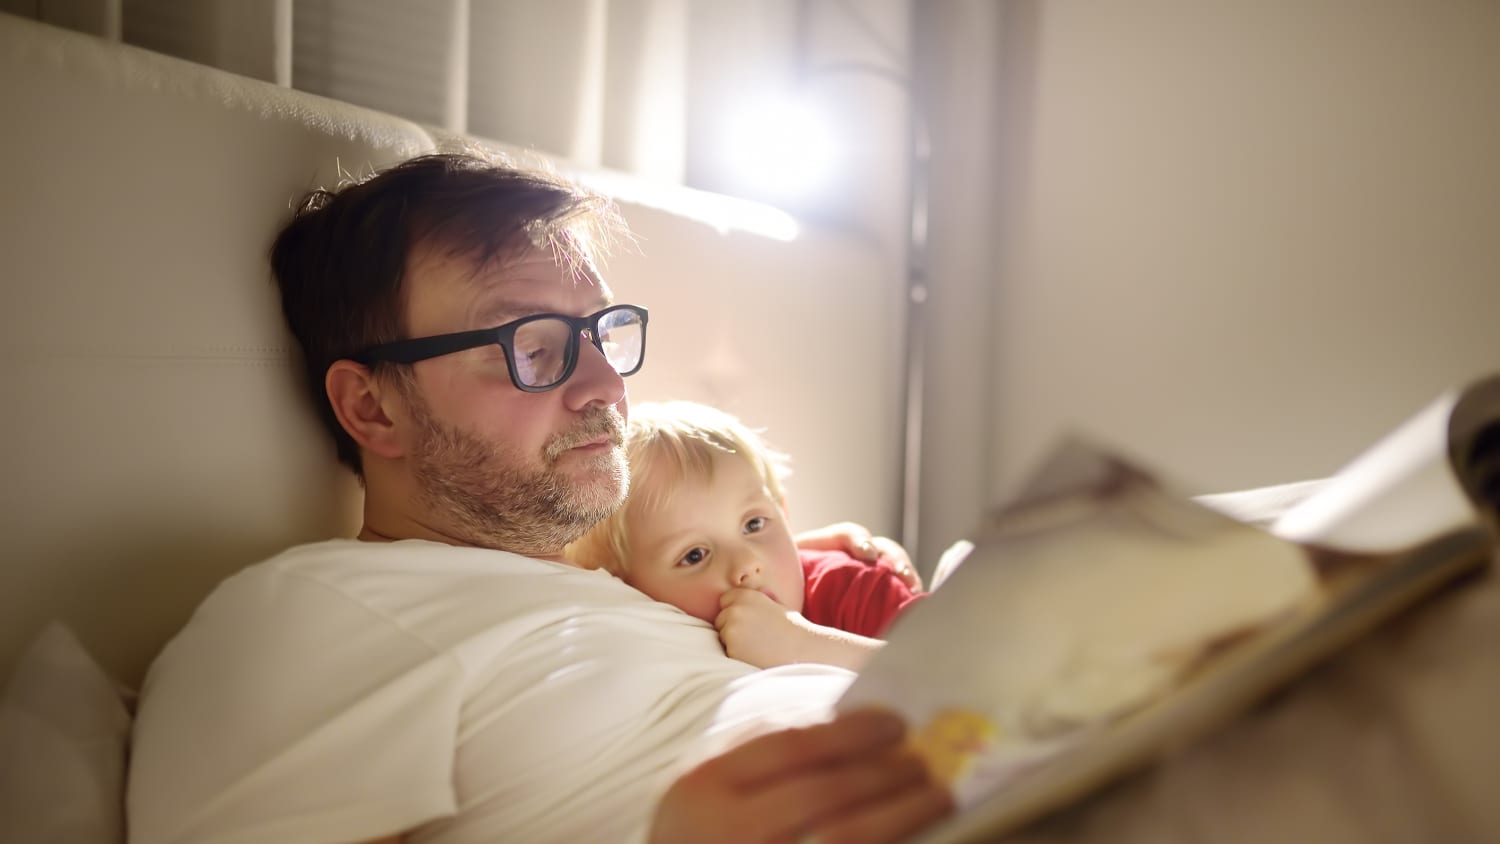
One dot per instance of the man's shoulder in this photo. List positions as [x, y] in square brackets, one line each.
[400, 603]
[380, 581]
[334, 561]
[397, 580]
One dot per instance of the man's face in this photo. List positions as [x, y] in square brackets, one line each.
[713, 535]
[493, 465]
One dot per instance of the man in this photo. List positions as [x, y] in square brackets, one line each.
[448, 674]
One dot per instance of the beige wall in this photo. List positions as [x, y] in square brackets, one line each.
[1239, 240]
[785, 335]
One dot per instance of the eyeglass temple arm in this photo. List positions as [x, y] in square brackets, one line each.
[422, 348]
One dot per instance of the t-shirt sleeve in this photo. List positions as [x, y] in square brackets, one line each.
[286, 711]
[852, 595]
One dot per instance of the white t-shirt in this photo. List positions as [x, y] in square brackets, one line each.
[347, 690]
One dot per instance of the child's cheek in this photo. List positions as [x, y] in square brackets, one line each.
[703, 603]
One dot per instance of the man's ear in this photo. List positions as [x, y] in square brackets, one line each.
[359, 404]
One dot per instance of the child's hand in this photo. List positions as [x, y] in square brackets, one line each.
[856, 541]
[757, 630]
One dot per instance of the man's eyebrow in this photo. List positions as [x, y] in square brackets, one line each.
[504, 312]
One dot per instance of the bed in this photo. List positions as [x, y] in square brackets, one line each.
[155, 442]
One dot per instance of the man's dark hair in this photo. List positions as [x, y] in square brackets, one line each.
[341, 262]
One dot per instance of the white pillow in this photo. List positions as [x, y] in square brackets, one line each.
[64, 729]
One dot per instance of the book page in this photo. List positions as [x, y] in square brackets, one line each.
[1420, 481]
[1394, 495]
[1086, 601]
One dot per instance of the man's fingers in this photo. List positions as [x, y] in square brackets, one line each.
[885, 821]
[907, 573]
[880, 550]
[832, 795]
[783, 754]
[840, 536]
[851, 779]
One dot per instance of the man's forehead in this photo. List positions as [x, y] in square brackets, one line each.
[535, 280]
[536, 283]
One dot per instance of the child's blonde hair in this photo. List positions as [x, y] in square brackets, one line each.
[666, 443]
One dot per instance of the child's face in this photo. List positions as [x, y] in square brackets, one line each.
[714, 535]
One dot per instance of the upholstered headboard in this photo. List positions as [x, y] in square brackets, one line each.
[154, 439]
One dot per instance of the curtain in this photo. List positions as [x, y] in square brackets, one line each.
[646, 87]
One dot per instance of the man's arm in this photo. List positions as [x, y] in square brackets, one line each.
[853, 779]
[857, 541]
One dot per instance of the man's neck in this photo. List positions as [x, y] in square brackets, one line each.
[415, 530]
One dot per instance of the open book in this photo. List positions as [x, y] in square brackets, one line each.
[1101, 620]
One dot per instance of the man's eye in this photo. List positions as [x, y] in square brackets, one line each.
[536, 354]
[693, 557]
[755, 525]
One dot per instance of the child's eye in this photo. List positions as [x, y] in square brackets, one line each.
[693, 557]
[755, 524]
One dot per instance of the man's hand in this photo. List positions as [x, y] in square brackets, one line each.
[757, 630]
[850, 780]
[856, 541]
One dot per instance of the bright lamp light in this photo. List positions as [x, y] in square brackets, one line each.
[782, 148]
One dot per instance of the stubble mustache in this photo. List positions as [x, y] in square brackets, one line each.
[596, 423]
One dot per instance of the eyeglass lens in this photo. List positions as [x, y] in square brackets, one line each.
[543, 353]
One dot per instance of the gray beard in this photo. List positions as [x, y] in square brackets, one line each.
[492, 501]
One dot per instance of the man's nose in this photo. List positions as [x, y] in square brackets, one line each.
[594, 381]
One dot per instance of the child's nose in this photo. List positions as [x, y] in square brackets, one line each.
[746, 570]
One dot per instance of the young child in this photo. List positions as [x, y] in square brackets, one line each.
[705, 529]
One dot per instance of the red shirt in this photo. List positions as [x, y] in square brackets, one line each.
[851, 595]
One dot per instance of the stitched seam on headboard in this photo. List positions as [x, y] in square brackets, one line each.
[267, 353]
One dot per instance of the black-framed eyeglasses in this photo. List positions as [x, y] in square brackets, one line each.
[541, 350]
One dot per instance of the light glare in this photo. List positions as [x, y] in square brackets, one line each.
[781, 148]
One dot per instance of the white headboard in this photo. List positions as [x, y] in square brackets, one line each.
[154, 438]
